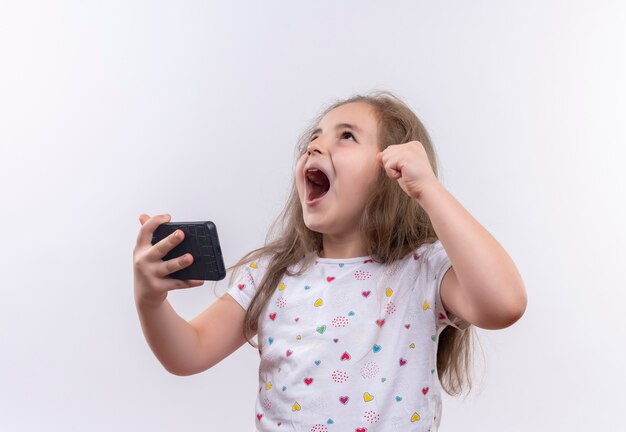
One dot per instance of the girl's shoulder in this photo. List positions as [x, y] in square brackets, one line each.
[428, 249]
[423, 253]
[423, 259]
[252, 268]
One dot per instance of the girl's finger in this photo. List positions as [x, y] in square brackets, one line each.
[391, 172]
[164, 268]
[165, 245]
[143, 218]
[173, 284]
[144, 238]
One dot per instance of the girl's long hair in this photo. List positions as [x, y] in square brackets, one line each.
[392, 223]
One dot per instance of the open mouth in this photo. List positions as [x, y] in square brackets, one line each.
[317, 184]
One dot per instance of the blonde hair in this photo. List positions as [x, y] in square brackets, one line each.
[392, 224]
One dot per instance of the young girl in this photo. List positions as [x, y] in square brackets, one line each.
[357, 307]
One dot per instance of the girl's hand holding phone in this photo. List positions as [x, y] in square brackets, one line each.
[150, 271]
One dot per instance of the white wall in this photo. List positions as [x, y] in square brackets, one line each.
[112, 109]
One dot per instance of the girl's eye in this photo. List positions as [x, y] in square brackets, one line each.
[348, 133]
[343, 134]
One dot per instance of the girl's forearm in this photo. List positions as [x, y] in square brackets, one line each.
[172, 339]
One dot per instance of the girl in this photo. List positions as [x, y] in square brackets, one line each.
[364, 303]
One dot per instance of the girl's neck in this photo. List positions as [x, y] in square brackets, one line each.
[342, 254]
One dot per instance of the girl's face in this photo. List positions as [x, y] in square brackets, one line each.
[348, 157]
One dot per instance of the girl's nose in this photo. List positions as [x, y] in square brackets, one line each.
[313, 147]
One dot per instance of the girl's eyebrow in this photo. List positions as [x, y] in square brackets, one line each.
[340, 126]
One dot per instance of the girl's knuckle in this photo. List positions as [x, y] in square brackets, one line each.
[158, 287]
[167, 269]
[139, 262]
[163, 271]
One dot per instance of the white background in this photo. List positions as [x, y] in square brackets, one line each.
[113, 109]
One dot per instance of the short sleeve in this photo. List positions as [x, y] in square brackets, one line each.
[439, 263]
[245, 285]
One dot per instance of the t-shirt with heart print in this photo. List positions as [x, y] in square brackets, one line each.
[351, 344]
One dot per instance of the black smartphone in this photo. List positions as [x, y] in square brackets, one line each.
[201, 242]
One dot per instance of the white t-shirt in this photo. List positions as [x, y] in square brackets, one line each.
[351, 345]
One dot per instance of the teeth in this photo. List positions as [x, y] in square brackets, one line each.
[313, 179]
[317, 178]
